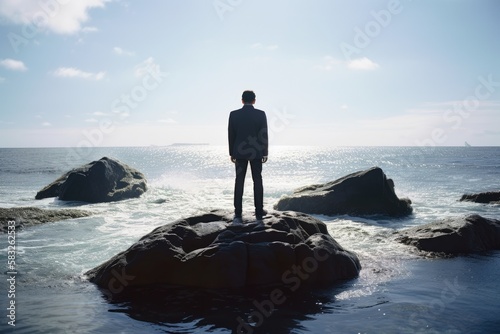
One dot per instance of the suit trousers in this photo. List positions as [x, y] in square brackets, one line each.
[258, 188]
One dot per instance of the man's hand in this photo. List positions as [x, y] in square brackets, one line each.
[264, 159]
[233, 160]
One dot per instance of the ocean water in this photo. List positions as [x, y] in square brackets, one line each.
[398, 290]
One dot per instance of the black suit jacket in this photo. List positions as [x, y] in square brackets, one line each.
[247, 132]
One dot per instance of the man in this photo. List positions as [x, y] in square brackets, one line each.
[248, 142]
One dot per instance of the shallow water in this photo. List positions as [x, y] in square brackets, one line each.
[398, 291]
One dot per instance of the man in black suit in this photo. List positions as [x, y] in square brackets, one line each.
[248, 142]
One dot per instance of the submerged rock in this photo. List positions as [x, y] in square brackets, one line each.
[105, 180]
[209, 251]
[487, 198]
[360, 193]
[453, 236]
[28, 216]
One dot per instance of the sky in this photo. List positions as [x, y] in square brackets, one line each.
[327, 72]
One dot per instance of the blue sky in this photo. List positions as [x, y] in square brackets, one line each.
[332, 73]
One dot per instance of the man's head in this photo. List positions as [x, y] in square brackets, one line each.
[248, 97]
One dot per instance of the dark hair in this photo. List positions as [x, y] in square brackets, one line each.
[248, 96]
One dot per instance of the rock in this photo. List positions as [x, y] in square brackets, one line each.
[105, 180]
[454, 236]
[28, 216]
[488, 198]
[208, 251]
[360, 193]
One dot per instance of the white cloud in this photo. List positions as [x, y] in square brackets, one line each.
[122, 52]
[71, 72]
[122, 115]
[46, 124]
[330, 63]
[146, 67]
[65, 18]
[14, 65]
[94, 117]
[2, 80]
[362, 64]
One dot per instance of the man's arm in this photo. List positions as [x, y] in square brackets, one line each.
[230, 134]
[265, 137]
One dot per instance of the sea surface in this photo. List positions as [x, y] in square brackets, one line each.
[398, 290]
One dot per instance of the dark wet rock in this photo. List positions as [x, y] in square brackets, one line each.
[104, 180]
[486, 198]
[209, 251]
[361, 193]
[461, 235]
[29, 216]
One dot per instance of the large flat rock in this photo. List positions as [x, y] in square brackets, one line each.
[460, 235]
[104, 180]
[491, 197]
[209, 251]
[29, 216]
[362, 193]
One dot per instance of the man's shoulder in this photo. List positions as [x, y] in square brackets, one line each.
[252, 110]
[260, 113]
[237, 111]
[234, 113]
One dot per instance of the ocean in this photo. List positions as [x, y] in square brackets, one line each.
[398, 290]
